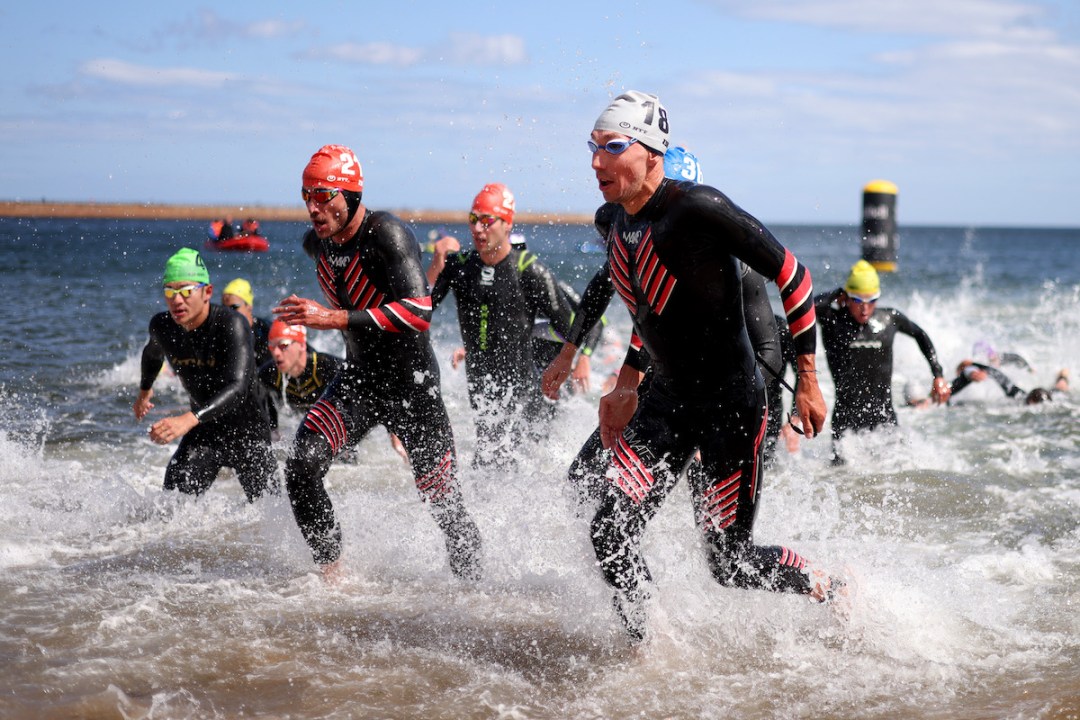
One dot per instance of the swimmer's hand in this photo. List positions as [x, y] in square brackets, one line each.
[142, 403]
[558, 371]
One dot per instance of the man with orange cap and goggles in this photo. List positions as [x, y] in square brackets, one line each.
[296, 375]
[858, 337]
[500, 291]
[368, 266]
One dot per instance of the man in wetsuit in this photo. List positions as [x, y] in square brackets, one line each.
[239, 296]
[297, 375]
[858, 337]
[209, 348]
[672, 256]
[587, 471]
[368, 265]
[499, 291]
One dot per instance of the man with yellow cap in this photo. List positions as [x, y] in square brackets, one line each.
[209, 348]
[239, 296]
[858, 337]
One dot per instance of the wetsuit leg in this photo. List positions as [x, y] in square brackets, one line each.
[424, 429]
[587, 471]
[726, 491]
[330, 427]
[646, 464]
[772, 428]
[194, 466]
[255, 465]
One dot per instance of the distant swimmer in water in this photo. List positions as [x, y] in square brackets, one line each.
[209, 348]
[858, 337]
[368, 266]
[969, 371]
[672, 255]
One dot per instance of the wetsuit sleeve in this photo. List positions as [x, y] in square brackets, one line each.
[445, 281]
[594, 303]
[410, 309]
[1011, 358]
[543, 294]
[750, 241]
[761, 324]
[153, 355]
[962, 380]
[906, 326]
[239, 364]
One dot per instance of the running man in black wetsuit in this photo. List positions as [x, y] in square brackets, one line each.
[672, 252]
[499, 291]
[368, 265]
[858, 337]
[296, 375]
[209, 348]
[587, 471]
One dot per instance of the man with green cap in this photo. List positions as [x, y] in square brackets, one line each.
[858, 337]
[210, 349]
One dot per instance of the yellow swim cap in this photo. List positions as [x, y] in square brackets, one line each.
[862, 282]
[241, 288]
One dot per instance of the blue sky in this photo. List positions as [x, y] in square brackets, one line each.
[972, 107]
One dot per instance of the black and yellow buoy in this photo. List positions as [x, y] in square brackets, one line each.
[879, 239]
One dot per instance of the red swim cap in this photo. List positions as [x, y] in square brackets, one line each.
[280, 331]
[495, 199]
[334, 166]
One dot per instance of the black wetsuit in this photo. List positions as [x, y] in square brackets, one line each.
[300, 392]
[215, 364]
[260, 332]
[497, 306]
[963, 380]
[675, 265]
[770, 347]
[391, 378]
[860, 360]
[774, 382]
[547, 342]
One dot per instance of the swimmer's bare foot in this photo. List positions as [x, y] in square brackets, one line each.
[333, 574]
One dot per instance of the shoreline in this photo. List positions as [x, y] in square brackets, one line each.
[263, 213]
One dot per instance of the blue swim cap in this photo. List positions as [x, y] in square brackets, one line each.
[681, 164]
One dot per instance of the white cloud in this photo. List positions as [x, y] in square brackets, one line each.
[378, 53]
[272, 29]
[459, 49]
[125, 73]
[472, 49]
[934, 17]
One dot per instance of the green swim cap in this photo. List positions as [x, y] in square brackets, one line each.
[186, 264]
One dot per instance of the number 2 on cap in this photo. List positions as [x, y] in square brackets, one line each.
[348, 162]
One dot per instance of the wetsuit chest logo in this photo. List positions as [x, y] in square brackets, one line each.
[351, 289]
[487, 276]
[637, 272]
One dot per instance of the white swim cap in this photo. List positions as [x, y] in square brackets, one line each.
[637, 115]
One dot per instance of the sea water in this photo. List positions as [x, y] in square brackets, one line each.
[961, 528]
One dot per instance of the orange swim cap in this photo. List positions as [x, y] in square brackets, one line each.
[281, 331]
[334, 166]
[495, 199]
